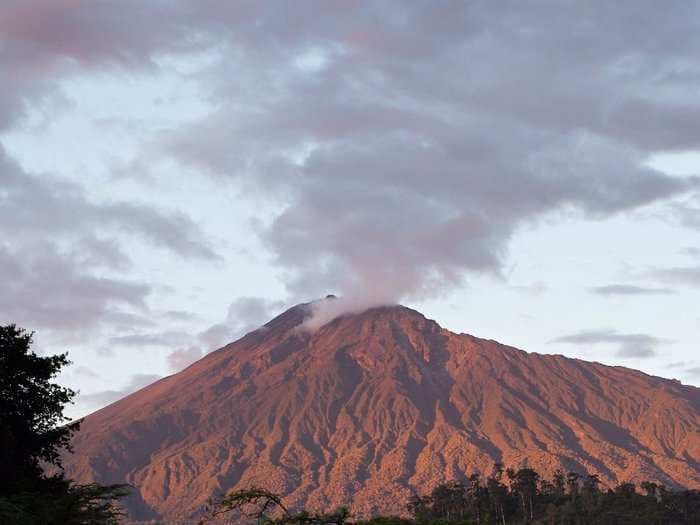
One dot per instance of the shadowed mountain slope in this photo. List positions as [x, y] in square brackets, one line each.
[374, 406]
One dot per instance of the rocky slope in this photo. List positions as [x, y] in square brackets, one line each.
[373, 406]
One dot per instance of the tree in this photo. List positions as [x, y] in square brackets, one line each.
[33, 434]
[497, 492]
[448, 500]
[31, 411]
[559, 482]
[524, 483]
[260, 504]
[255, 503]
[476, 495]
[531, 499]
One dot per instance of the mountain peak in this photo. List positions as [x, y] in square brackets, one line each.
[324, 311]
[379, 399]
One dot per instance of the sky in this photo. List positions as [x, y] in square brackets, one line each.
[174, 173]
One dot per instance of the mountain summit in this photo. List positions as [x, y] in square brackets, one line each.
[383, 402]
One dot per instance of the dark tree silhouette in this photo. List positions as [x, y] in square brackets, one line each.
[31, 411]
[530, 499]
[255, 503]
[33, 433]
[261, 505]
[527, 499]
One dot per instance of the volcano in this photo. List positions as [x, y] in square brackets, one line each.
[374, 406]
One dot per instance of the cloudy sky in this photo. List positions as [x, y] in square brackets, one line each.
[173, 173]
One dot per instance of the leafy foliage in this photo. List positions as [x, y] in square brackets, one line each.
[70, 504]
[33, 435]
[31, 409]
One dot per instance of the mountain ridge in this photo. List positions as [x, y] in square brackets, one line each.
[380, 402]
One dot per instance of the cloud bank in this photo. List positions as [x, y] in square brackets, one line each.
[402, 146]
[629, 290]
[408, 144]
[628, 345]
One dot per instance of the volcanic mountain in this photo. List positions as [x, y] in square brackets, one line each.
[376, 405]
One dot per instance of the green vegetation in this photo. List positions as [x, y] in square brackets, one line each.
[33, 432]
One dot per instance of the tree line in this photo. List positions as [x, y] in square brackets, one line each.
[523, 496]
[506, 497]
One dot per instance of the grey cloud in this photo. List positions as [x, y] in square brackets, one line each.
[244, 315]
[420, 145]
[59, 249]
[688, 212]
[43, 287]
[183, 357]
[105, 397]
[33, 205]
[58, 242]
[628, 345]
[536, 288]
[96, 252]
[85, 372]
[688, 275]
[628, 289]
[175, 231]
[165, 339]
[693, 372]
[180, 315]
[128, 320]
[45, 41]
[423, 137]
[251, 312]
[216, 336]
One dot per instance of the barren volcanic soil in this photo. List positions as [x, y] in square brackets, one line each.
[373, 406]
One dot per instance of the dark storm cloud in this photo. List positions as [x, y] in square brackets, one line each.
[628, 289]
[405, 143]
[628, 345]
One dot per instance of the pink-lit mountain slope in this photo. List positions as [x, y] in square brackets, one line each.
[373, 406]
